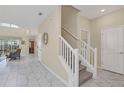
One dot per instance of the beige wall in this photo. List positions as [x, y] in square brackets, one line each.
[74, 23]
[94, 26]
[50, 56]
[69, 22]
[111, 20]
[17, 33]
[83, 24]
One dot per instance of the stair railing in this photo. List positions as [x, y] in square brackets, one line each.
[71, 60]
[87, 54]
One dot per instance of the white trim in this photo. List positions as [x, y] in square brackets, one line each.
[76, 75]
[95, 64]
[101, 34]
[51, 71]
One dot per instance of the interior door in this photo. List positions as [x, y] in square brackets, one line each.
[112, 49]
[31, 47]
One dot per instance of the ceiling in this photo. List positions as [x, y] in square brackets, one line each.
[25, 16]
[93, 11]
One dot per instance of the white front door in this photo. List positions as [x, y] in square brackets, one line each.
[112, 49]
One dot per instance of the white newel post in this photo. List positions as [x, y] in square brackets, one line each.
[95, 63]
[76, 74]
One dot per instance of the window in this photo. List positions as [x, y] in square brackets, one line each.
[14, 26]
[9, 46]
[5, 24]
[9, 25]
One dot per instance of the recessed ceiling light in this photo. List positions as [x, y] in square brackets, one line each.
[39, 13]
[102, 10]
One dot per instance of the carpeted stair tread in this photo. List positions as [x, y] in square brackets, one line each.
[84, 76]
[82, 67]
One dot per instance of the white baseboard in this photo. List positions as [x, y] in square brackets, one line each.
[50, 70]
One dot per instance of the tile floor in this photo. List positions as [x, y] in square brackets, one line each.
[28, 72]
[105, 79]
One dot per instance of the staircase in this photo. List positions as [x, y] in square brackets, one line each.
[80, 64]
[84, 75]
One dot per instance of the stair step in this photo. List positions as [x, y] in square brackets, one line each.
[84, 76]
[82, 67]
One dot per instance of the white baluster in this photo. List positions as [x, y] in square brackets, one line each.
[62, 48]
[70, 58]
[65, 52]
[95, 63]
[76, 74]
[83, 49]
[67, 55]
[59, 46]
[72, 64]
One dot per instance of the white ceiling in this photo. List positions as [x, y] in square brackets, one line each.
[24, 16]
[27, 16]
[93, 11]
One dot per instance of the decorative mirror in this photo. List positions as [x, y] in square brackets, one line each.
[45, 38]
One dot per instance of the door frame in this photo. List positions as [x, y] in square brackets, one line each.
[30, 42]
[101, 52]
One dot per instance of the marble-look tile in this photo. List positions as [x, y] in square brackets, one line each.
[10, 84]
[44, 82]
[105, 79]
[28, 72]
[57, 83]
[21, 80]
[89, 83]
[33, 82]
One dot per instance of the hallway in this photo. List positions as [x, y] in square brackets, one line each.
[27, 72]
